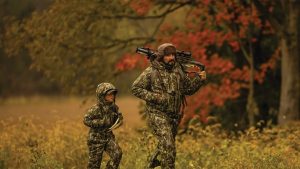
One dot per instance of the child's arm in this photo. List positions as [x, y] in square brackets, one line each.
[92, 119]
[118, 122]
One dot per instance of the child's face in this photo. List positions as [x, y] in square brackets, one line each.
[110, 97]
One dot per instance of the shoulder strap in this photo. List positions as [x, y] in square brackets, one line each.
[182, 77]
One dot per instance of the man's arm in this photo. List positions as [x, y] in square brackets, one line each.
[141, 88]
[192, 85]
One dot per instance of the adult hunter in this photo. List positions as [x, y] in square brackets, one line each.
[164, 85]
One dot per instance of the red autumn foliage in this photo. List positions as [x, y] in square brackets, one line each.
[130, 61]
[269, 65]
[141, 7]
[225, 79]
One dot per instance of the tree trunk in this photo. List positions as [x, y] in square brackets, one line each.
[251, 107]
[290, 86]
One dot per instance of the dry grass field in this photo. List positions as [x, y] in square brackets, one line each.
[48, 110]
[48, 133]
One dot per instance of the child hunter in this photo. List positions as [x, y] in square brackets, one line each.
[102, 118]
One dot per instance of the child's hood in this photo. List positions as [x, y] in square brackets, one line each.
[103, 89]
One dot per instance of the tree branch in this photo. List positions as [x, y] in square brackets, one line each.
[130, 40]
[113, 43]
[156, 29]
[168, 11]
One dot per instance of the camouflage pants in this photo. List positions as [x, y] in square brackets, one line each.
[96, 151]
[165, 130]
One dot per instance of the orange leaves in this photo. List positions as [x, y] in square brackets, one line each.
[206, 2]
[141, 7]
[240, 74]
[224, 16]
[270, 64]
[214, 32]
[212, 95]
[235, 45]
[129, 62]
[217, 65]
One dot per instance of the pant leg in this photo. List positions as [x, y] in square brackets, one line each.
[153, 161]
[95, 155]
[114, 151]
[175, 124]
[163, 130]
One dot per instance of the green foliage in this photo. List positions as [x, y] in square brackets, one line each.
[21, 80]
[67, 41]
[28, 145]
[16, 76]
[70, 42]
[76, 43]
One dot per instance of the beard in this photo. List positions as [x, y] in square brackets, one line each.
[170, 64]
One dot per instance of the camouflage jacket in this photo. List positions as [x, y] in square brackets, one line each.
[164, 90]
[100, 119]
[101, 116]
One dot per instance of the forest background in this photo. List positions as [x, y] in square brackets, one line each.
[54, 53]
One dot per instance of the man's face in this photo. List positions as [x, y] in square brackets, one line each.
[110, 97]
[169, 59]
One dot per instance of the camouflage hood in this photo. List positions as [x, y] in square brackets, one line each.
[103, 89]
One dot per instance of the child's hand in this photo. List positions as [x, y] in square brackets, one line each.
[120, 115]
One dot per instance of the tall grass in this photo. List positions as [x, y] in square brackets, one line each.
[28, 145]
